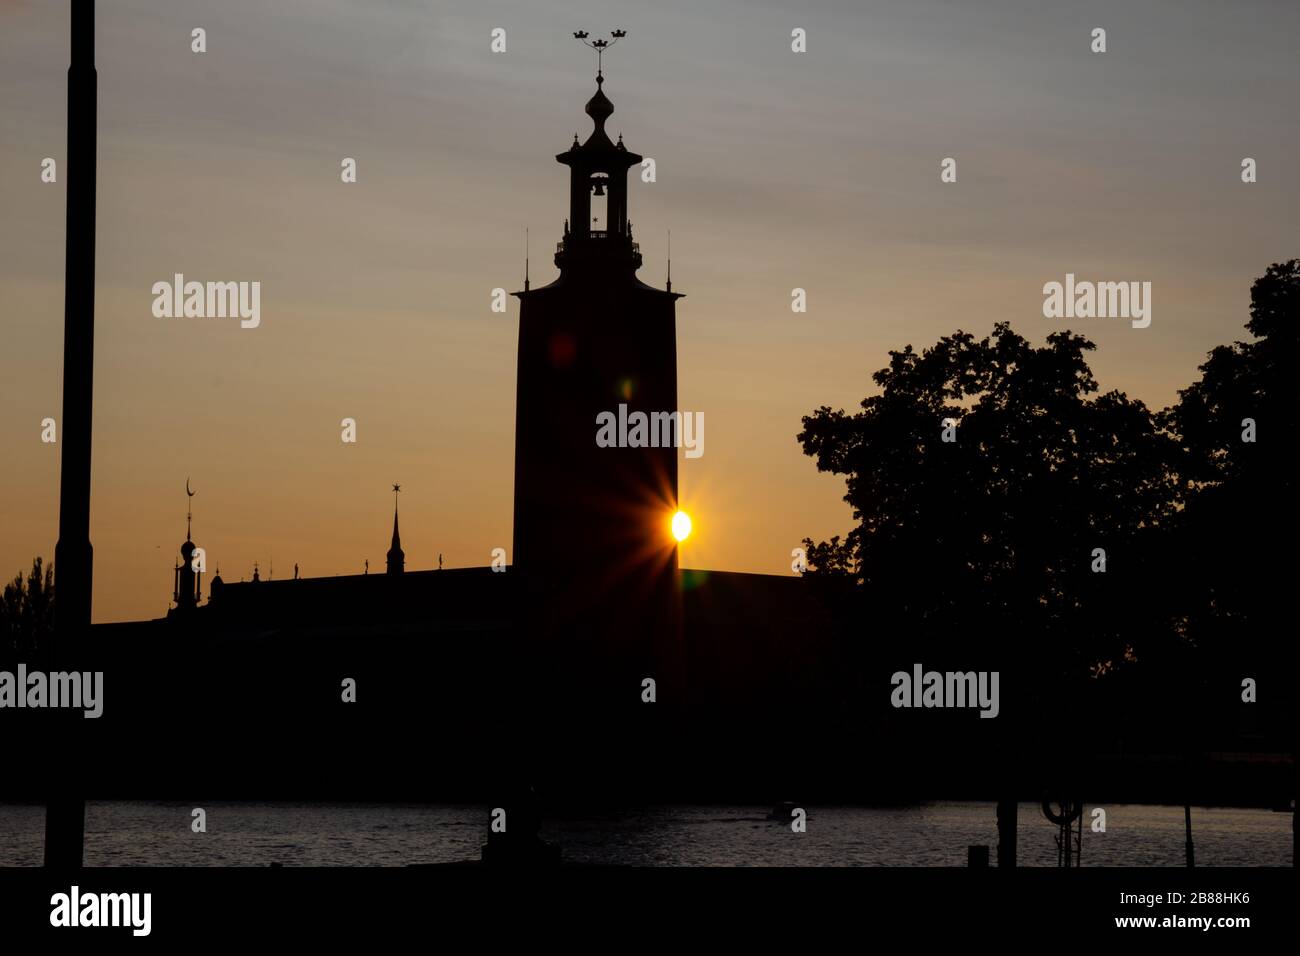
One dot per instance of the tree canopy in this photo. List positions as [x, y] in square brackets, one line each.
[994, 530]
[27, 613]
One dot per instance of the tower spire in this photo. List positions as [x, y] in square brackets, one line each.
[187, 576]
[396, 557]
[598, 234]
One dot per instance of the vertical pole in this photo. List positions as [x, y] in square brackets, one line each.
[65, 813]
[1187, 824]
[1007, 810]
[1079, 843]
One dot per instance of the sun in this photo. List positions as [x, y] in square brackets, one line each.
[681, 526]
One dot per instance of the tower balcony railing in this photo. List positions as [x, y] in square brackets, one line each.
[596, 235]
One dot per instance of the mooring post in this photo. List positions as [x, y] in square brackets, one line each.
[1007, 810]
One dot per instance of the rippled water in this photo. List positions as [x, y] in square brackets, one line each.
[130, 833]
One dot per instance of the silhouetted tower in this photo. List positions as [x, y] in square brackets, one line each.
[186, 593]
[593, 549]
[593, 339]
[396, 557]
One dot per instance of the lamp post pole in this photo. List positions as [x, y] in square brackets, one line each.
[65, 813]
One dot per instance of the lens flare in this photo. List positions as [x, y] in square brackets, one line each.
[681, 526]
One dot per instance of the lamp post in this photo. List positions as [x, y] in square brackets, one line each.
[65, 813]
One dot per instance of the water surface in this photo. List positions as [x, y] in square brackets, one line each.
[145, 833]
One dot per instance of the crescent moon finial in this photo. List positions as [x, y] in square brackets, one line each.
[187, 487]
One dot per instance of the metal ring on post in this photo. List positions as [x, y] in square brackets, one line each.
[1070, 811]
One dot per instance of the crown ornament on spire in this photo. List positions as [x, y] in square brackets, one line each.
[600, 46]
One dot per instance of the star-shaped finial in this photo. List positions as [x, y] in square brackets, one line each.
[396, 488]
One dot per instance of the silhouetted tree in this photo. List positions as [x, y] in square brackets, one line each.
[27, 614]
[985, 543]
[1226, 553]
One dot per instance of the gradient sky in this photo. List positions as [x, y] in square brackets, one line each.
[775, 170]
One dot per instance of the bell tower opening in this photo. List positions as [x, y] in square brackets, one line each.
[600, 225]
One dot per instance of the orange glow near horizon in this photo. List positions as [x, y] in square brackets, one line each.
[374, 306]
[681, 526]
